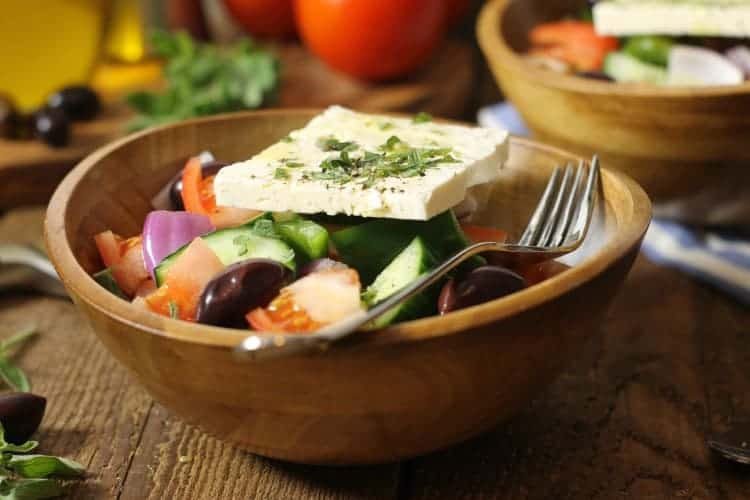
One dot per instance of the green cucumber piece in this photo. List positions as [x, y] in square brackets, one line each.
[625, 68]
[371, 246]
[414, 261]
[107, 280]
[308, 239]
[649, 49]
[250, 241]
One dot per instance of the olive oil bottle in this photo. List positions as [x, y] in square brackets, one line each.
[47, 44]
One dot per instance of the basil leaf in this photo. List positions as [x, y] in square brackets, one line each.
[14, 376]
[29, 489]
[41, 466]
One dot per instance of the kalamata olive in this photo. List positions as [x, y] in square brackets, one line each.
[478, 286]
[77, 102]
[240, 288]
[21, 413]
[175, 191]
[595, 75]
[318, 265]
[52, 126]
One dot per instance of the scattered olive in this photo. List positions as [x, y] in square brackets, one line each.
[52, 126]
[478, 286]
[77, 102]
[318, 265]
[595, 75]
[21, 413]
[175, 191]
[240, 288]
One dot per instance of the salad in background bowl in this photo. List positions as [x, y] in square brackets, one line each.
[671, 43]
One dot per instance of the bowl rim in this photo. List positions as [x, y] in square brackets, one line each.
[493, 43]
[83, 286]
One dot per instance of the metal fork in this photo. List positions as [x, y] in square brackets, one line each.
[558, 226]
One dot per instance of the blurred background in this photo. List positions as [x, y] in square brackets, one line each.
[80, 73]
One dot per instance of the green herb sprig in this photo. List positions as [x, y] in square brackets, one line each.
[28, 477]
[203, 79]
[12, 375]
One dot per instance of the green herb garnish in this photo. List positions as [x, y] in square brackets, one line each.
[332, 144]
[11, 374]
[293, 164]
[174, 310]
[281, 173]
[204, 79]
[395, 158]
[287, 139]
[27, 476]
[386, 126]
[422, 117]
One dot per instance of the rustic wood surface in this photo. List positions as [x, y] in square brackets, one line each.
[629, 419]
[30, 170]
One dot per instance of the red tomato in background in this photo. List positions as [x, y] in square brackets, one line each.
[372, 39]
[264, 18]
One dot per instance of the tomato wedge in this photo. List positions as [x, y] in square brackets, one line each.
[179, 295]
[575, 42]
[283, 314]
[124, 257]
[483, 233]
[198, 197]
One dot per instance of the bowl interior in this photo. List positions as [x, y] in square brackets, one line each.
[113, 188]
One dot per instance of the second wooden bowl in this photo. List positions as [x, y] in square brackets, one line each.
[676, 142]
[381, 396]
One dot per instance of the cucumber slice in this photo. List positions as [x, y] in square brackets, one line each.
[308, 239]
[410, 264]
[105, 279]
[250, 241]
[371, 246]
[625, 68]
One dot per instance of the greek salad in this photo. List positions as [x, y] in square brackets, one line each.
[391, 198]
[656, 42]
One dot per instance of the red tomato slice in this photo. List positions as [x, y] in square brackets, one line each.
[575, 42]
[199, 198]
[124, 257]
[185, 282]
[282, 315]
[482, 233]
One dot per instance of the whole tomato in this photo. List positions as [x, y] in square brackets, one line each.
[264, 18]
[372, 39]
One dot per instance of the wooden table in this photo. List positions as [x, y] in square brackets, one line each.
[629, 419]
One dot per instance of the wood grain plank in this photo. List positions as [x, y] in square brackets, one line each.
[94, 412]
[727, 366]
[176, 461]
[627, 420]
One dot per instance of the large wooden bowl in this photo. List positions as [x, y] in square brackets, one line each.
[676, 142]
[383, 395]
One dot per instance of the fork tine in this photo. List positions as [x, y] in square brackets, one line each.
[566, 216]
[532, 229]
[552, 217]
[586, 203]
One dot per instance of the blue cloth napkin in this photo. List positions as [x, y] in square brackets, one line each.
[718, 258]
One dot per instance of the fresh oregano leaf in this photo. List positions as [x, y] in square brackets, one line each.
[13, 376]
[6, 447]
[42, 466]
[29, 489]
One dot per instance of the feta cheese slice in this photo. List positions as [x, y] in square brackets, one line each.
[723, 18]
[342, 162]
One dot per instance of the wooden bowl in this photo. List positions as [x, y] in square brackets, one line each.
[676, 142]
[382, 396]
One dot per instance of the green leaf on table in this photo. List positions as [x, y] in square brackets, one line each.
[29, 489]
[13, 376]
[42, 466]
[18, 338]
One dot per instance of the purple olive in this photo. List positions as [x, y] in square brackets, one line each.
[78, 102]
[21, 413]
[175, 191]
[52, 126]
[240, 288]
[478, 286]
[318, 265]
